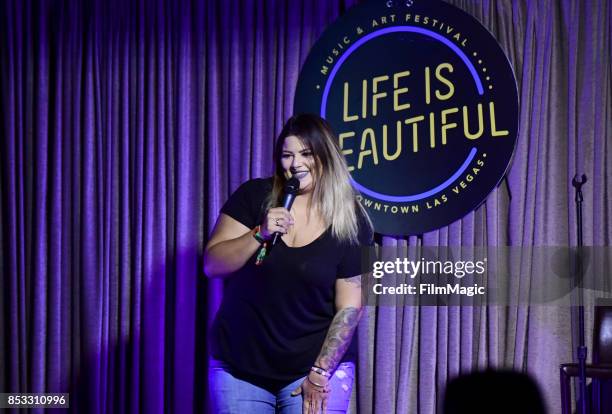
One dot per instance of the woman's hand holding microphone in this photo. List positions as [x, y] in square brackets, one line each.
[278, 219]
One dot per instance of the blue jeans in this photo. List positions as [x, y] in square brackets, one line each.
[230, 395]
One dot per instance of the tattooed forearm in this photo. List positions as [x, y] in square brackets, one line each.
[338, 338]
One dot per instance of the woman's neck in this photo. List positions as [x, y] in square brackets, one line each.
[303, 199]
[303, 205]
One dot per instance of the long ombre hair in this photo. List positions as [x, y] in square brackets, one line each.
[333, 196]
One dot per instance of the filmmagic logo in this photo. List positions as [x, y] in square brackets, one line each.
[430, 289]
[424, 104]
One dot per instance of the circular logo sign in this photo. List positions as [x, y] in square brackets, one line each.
[425, 106]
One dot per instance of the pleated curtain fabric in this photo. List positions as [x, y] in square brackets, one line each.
[124, 126]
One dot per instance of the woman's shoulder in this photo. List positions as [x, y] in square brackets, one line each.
[253, 189]
[257, 185]
[365, 231]
[248, 201]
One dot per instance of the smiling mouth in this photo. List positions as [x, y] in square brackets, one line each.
[300, 174]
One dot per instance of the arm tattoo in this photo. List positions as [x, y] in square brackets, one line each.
[338, 338]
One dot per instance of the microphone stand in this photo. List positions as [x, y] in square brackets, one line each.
[582, 349]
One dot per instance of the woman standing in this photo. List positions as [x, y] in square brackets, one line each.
[281, 341]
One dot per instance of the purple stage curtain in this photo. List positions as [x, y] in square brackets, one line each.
[124, 126]
[103, 203]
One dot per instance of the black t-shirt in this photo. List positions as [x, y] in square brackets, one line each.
[274, 317]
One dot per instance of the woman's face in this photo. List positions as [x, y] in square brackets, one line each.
[298, 160]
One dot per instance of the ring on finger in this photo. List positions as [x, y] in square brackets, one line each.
[276, 221]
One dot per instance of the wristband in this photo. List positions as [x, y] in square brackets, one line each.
[258, 236]
[320, 371]
[314, 383]
[263, 250]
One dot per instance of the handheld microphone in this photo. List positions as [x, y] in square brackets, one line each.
[292, 186]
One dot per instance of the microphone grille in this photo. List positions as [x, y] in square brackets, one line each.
[292, 186]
